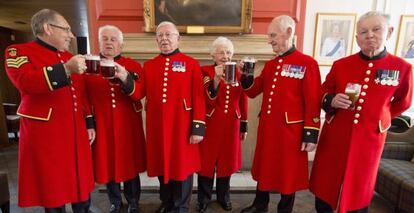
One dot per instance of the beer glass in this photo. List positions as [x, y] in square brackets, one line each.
[230, 73]
[353, 90]
[108, 68]
[92, 64]
[249, 64]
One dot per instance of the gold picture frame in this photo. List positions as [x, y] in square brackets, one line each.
[334, 36]
[405, 40]
[200, 16]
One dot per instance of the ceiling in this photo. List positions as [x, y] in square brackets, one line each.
[16, 14]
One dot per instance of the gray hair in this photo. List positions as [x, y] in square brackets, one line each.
[221, 41]
[284, 22]
[111, 27]
[41, 17]
[167, 23]
[369, 14]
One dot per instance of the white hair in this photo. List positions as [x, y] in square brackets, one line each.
[113, 28]
[221, 41]
[284, 22]
[167, 23]
[369, 14]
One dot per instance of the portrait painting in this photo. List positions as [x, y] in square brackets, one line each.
[213, 16]
[334, 35]
[405, 41]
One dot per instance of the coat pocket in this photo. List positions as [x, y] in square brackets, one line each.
[238, 114]
[384, 124]
[293, 118]
[187, 106]
[210, 113]
[35, 113]
[137, 106]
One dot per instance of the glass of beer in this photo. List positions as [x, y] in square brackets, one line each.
[108, 68]
[92, 64]
[353, 90]
[249, 64]
[230, 73]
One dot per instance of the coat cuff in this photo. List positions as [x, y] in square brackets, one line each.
[246, 81]
[243, 126]
[90, 122]
[56, 76]
[212, 93]
[129, 86]
[198, 128]
[310, 135]
[326, 103]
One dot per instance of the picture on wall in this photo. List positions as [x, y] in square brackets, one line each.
[334, 36]
[405, 42]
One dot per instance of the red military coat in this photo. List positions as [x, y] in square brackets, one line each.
[289, 115]
[221, 148]
[55, 164]
[119, 149]
[175, 109]
[352, 141]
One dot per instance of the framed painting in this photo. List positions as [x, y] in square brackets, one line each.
[334, 36]
[200, 16]
[405, 41]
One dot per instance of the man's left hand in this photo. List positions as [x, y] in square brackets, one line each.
[309, 147]
[91, 136]
[121, 73]
[195, 139]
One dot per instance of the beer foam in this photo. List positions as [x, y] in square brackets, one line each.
[251, 60]
[107, 63]
[93, 57]
[230, 63]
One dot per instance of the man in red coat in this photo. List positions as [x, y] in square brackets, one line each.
[55, 163]
[175, 113]
[289, 118]
[119, 152]
[226, 128]
[352, 139]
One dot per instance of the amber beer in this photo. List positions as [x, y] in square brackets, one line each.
[108, 69]
[248, 67]
[352, 91]
[92, 64]
[230, 72]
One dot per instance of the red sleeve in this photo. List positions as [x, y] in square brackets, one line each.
[199, 108]
[403, 95]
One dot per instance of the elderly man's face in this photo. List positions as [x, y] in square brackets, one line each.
[278, 39]
[372, 34]
[60, 34]
[222, 54]
[110, 45]
[167, 39]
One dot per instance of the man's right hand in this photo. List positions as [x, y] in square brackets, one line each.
[76, 64]
[341, 101]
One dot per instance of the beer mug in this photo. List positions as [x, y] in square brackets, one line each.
[353, 90]
[249, 64]
[92, 64]
[108, 68]
[230, 73]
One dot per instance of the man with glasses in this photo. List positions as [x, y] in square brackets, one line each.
[289, 118]
[175, 113]
[56, 129]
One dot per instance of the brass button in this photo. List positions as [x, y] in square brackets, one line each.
[357, 115]
[365, 86]
[370, 64]
[368, 72]
[278, 67]
[164, 100]
[366, 79]
[356, 121]
[361, 100]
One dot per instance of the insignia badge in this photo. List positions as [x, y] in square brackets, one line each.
[293, 71]
[316, 119]
[388, 77]
[17, 62]
[178, 66]
[12, 52]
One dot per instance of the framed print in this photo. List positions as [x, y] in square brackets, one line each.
[200, 16]
[334, 36]
[405, 41]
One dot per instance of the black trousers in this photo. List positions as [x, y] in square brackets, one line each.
[132, 192]
[80, 207]
[285, 205]
[205, 189]
[176, 195]
[323, 207]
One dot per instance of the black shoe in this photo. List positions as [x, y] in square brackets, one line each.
[226, 205]
[133, 209]
[115, 208]
[201, 207]
[254, 209]
[162, 208]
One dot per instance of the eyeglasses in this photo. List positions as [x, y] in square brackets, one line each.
[66, 29]
[168, 35]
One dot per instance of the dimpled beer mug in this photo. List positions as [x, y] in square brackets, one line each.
[108, 68]
[92, 64]
[249, 64]
[353, 90]
[230, 73]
